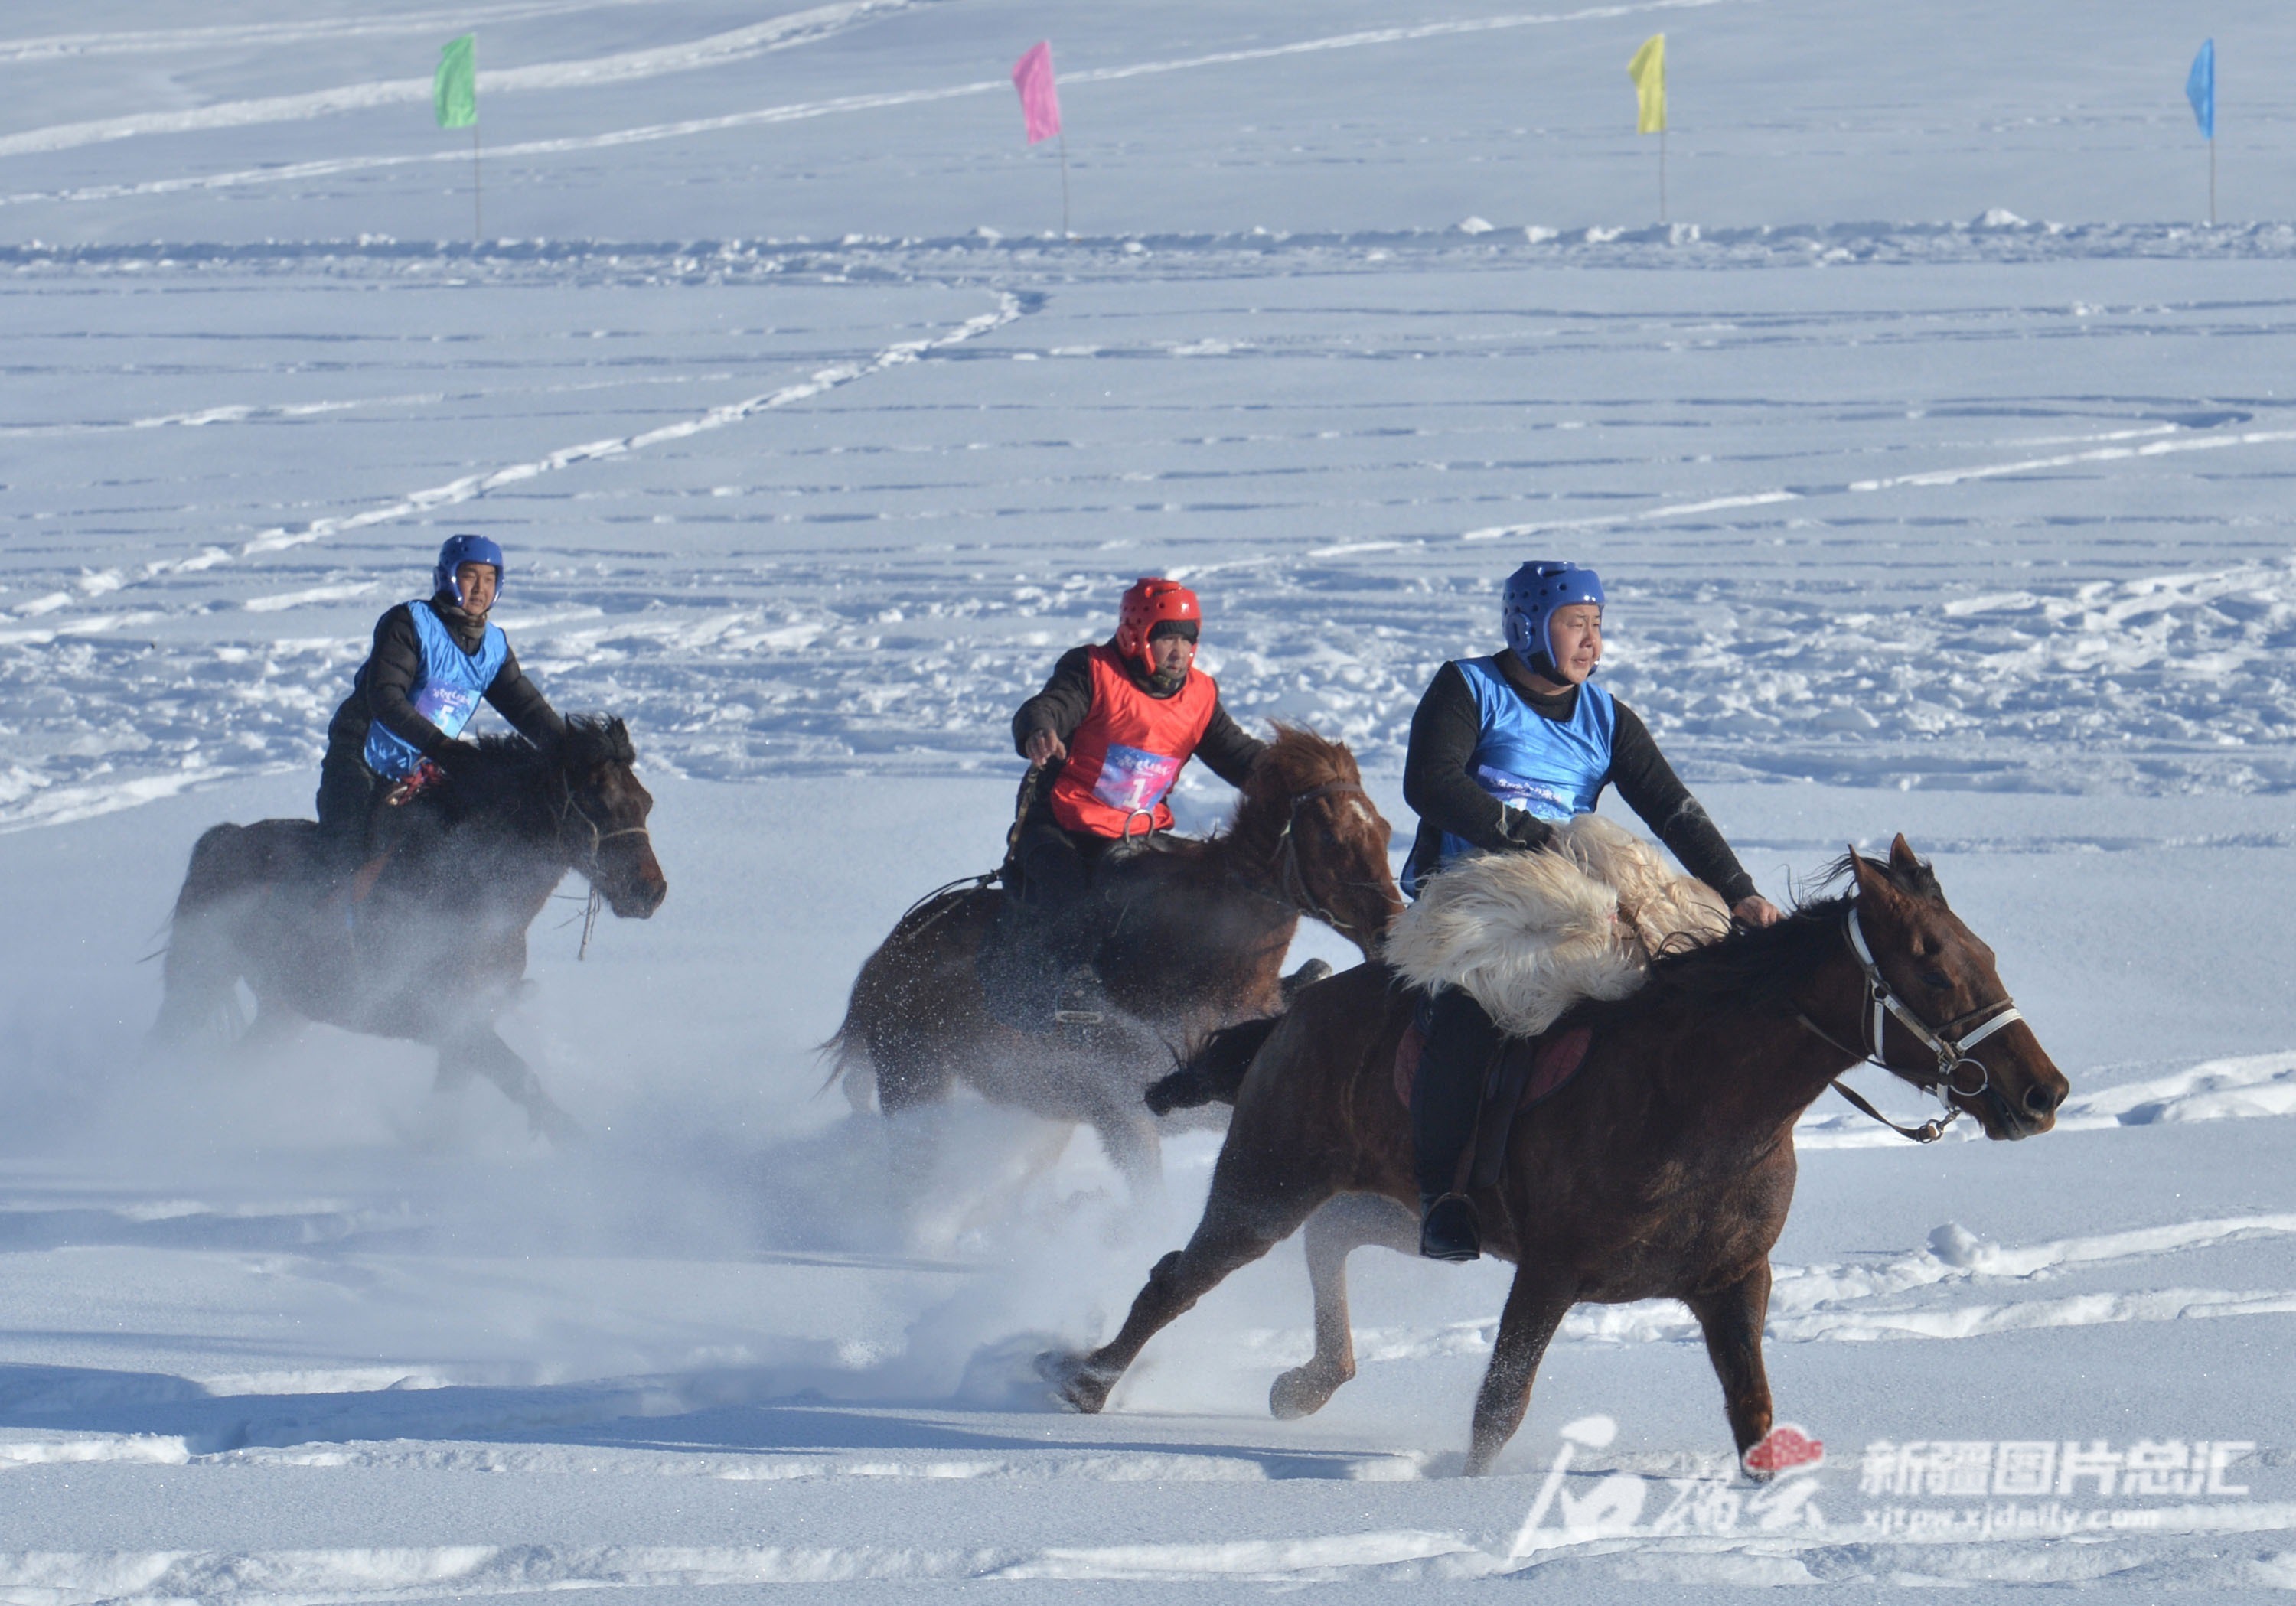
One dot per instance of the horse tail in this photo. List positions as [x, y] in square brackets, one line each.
[1215, 1072]
[881, 1008]
[201, 965]
[850, 1063]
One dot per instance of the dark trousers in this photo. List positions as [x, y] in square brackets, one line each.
[1056, 871]
[1449, 1090]
[349, 792]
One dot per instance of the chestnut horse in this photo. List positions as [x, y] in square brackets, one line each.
[1663, 1170]
[1198, 931]
[429, 943]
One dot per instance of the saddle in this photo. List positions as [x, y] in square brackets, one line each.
[1525, 1072]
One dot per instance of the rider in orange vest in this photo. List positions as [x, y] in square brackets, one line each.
[1112, 728]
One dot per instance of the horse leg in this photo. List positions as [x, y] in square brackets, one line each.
[1342, 1226]
[1732, 1318]
[483, 1053]
[1133, 1147]
[274, 1026]
[1535, 1308]
[1234, 1232]
[199, 978]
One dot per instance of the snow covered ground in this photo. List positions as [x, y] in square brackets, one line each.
[811, 450]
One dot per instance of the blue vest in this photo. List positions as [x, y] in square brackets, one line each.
[453, 681]
[1551, 769]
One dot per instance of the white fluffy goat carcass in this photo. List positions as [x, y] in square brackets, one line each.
[1529, 934]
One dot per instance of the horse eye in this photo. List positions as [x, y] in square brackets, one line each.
[1936, 978]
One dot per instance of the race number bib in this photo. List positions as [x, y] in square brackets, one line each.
[1133, 779]
[449, 707]
[1533, 797]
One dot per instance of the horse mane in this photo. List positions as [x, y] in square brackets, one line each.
[1298, 760]
[1763, 964]
[509, 774]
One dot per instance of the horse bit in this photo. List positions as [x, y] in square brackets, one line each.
[1951, 1052]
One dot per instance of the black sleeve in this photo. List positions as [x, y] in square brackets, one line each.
[1228, 749]
[517, 699]
[1649, 786]
[392, 669]
[1445, 728]
[1061, 707]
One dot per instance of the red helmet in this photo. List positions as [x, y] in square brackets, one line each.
[1148, 604]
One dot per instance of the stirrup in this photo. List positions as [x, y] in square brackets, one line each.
[1082, 1000]
[1449, 1229]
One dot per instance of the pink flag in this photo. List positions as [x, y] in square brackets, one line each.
[1041, 102]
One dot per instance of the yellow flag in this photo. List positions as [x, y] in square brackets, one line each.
[1648, 71]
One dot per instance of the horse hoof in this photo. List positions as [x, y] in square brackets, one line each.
[550, 1123]
[1301, 1391]
[1307, 976]
[1074, 1382]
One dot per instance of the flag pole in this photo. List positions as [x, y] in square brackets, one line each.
[1065, 234]
[2212, 181]
[1662, 175]
[478, 204]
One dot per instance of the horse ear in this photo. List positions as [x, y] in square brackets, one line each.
[1902, 857]
[1873, 881]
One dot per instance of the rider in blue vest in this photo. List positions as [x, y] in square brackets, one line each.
[1502, 750]
[432, 663]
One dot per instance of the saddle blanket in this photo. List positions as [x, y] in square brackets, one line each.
[1528, 935]
[1555, 1059]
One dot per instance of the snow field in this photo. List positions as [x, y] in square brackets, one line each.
[811, 449]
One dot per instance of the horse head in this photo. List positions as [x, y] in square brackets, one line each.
[1965, 1037]
[602, 819]
[1308, 825]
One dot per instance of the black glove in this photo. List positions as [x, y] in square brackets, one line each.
[1526, 830]
[447, 755]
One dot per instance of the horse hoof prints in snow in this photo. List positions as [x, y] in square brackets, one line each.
[429, 942]
[1198, 931]
[1663, 1169]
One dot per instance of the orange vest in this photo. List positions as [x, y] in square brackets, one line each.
[1129, 749]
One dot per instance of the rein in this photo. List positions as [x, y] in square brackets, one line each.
[1951, 1052]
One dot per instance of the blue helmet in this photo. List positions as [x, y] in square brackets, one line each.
[460, 550]
[1533, 593]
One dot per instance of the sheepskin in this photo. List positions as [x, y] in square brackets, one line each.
[1528, 935]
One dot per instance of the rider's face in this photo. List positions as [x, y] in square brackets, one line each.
[1171, 655]
[477, 583]
[1574, 641]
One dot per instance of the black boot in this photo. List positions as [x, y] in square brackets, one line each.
[1446, 1096]
[1449, 1229]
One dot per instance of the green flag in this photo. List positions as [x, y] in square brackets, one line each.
[454, 94]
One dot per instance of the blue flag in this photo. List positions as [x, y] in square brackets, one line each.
[2201, 89]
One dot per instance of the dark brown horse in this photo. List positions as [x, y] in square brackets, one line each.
[1199, 932]
[429, 944]
[1663, 1170]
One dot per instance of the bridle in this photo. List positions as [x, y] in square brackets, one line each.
[1291, 881]
[588, 863]
[1951, 1052]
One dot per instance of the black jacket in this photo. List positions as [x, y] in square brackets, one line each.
[1438, 780]
[383, 689]
[1228, 749]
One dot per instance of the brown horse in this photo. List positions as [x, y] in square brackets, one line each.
[1663, 1170]
[1198, 934]
[429, 944]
